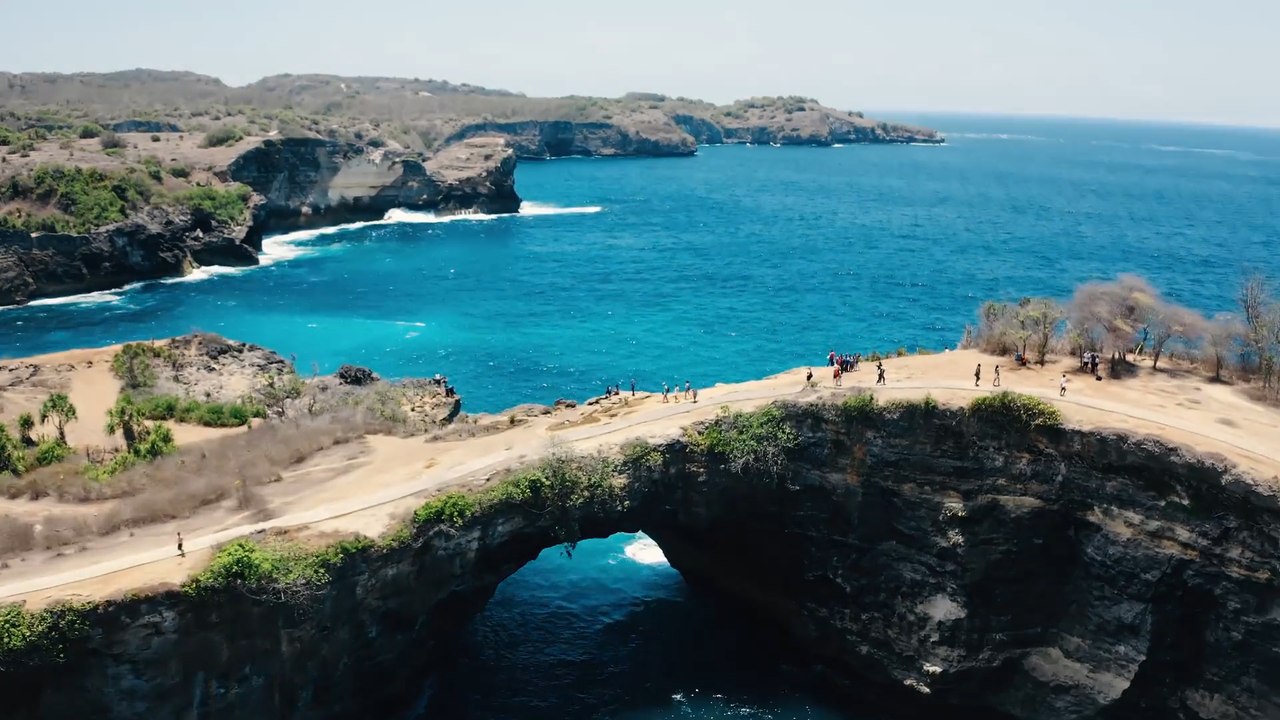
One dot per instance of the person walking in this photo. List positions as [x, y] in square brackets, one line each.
[688, 390]
[665, 390]
[808, 376]
[835, 376]
[695, 394]
[181, 552]
[880, 374]
[996, 382]
[1062, 386]
[633, 387]
[977, 375]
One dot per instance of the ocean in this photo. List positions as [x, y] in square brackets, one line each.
[736, 263]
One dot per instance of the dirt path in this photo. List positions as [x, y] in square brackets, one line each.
[392, 475]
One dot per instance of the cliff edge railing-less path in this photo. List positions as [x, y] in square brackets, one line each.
[956, 561]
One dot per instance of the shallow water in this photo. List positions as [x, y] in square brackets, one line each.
[723, 267]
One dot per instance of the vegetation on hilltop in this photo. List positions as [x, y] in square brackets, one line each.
[1127, 318]
[76, 199]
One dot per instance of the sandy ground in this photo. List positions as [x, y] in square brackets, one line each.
[85, 375]
[366, 487]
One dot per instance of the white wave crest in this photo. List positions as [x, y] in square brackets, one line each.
[645, 551]
[1205, 151]
[996, 136]
[535, 209]
[93, 298]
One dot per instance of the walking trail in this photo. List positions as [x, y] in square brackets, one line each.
[370, 490]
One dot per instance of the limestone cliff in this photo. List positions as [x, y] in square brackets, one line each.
[158, 242]
[652, 136]
[954, 565]
[297, 183]
[310, 181]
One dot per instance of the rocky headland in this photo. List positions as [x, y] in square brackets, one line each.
[954, 563]
[293, 183]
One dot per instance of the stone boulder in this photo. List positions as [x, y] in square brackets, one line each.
[356, 375]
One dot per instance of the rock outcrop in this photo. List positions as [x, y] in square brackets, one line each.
[308, 182]
[953, 565]
[659, 134]
[156, 243]
[297, 183]
[651, 136]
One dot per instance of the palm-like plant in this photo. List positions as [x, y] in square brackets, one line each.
[58, 408]
[126, 418]
[26, 425]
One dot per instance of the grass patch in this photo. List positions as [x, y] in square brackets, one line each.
[1016, 409]
[640, 456]
[750, 442]
[195, 412]
[453, 508]
[82, 198]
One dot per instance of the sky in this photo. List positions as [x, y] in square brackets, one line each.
[1173, 60]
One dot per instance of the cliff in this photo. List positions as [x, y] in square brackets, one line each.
[156, 243]
[296, 182]
[939, 562]
[653, 136]
[307, 182]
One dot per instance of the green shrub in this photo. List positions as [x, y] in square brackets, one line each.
[89, 131]
[275, 570]
[86, 198]
[42, 637]
[1017, 409]
[450, 509]
[155, 138]
[151, 165]
[858, 406]
[13, 459]
[640, 456]
[180, 171]
[222, 206]
[51, 452]
[111, 141]
[194, 412]
[157, 442]
[756, 441]
[132, 363]
[221, 136]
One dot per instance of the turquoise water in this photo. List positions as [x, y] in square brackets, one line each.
[733, 264]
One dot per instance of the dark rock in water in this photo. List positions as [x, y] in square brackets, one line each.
[144, 126]
[308, 182]
[157, 242]
[956, 567]
[356, 375]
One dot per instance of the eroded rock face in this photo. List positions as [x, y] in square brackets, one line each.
[954, 566]
[158, 242]
[542, 139]
[312, 182]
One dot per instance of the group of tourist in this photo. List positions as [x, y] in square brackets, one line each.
[669, 394]
[841, 363]
[1089, 361]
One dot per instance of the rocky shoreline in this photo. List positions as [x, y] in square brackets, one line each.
[955, 563]
[296, 183]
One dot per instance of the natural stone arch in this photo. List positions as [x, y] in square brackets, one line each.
[956, 562]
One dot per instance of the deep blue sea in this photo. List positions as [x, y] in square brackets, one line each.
[722, 267]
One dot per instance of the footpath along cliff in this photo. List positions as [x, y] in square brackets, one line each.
[294, 183]
[950, 563]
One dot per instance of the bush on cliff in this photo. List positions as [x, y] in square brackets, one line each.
[276, 570]
[453, 508]
[39, 638]
[222, 206]
[751, 442]
[86, 198]
[132, 363]
[1016, 409]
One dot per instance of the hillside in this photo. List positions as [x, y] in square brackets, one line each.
[422, 115]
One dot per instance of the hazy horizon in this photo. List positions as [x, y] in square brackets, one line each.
[1171, 61]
